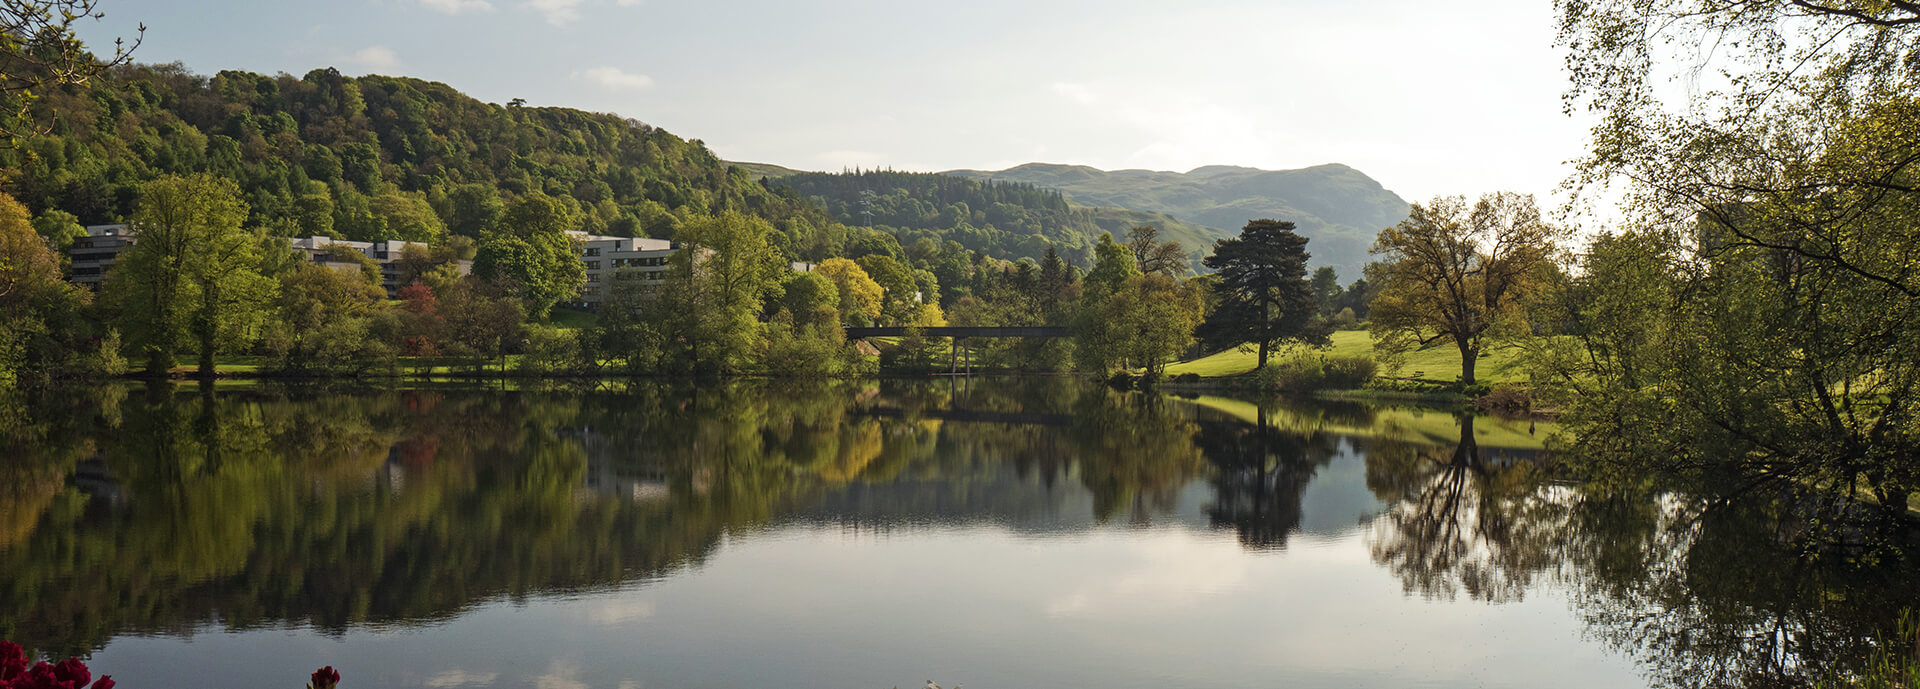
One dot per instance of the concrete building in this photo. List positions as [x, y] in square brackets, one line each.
[94, 254]
[103, 244]
[319, 249]
[619, 258]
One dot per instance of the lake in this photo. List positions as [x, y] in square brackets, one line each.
[866, 535]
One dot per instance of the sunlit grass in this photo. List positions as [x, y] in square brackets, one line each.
[1439, 362]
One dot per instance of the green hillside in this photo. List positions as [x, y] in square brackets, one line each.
[1339, 208]
[1008, 220]
[379, 157]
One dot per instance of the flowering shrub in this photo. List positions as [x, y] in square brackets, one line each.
[73, 674]
[67, 674]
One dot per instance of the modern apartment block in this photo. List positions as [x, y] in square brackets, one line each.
[93, 255]
[605, 257]
[319, 249]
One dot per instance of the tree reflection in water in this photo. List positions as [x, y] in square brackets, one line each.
[1701, 593]
[1259, 474]
[127, 510]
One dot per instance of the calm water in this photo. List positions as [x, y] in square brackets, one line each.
[860, 536]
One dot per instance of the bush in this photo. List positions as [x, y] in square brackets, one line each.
[1312, 373]
[550, 351]
[1186, 379]
[1346, 372]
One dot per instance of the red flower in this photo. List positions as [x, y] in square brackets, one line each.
[13, 660]
[325, 678]
[72, 673]
[105, 682]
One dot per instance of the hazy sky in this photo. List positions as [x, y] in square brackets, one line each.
[1427, 97]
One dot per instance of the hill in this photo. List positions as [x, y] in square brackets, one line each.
[1339, 208]
[379, 157]
[1008, 220]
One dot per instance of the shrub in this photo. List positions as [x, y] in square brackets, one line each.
[1311, 373]
[1347, 372]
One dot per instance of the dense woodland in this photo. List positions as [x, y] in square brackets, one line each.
[378, 157]
[1003, 220]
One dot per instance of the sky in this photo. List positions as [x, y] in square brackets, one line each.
[1428, 98]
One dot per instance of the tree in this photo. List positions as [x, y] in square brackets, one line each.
[408, 217]
[811, 297]
[193, 272]
[1759, 309]
[1146, 321]
[1262, 292]
[531, 254]
[1113, 265]
[1155, 256]
[715, 289]
[38, 49]
[1326, 290]
[860, 298]
[899, 292]
[37, 308]
[60, 229]
[1462, 273]
[323, 317]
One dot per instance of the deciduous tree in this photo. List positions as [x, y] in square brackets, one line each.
[531, 254]
[1462, 274]
[192, 275]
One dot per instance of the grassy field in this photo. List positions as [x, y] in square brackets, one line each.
[1439, 362]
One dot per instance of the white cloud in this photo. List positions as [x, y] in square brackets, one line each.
[611, 613]
[558, 12]
[378, 58]
[461, 678]
[561, 674]
[629, 3]
[457, 6]
[615, 78]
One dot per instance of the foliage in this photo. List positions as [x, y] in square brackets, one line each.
[39, 52]
[193, 273]
[39, 311]
[323, 321]
[708, 306]
[1146, 321]
[1263, 298]
[1002, 220]
[860, 298]
[899, 291]
[369, 157]
[1462, 274]
[531, 254]
[1754, 325]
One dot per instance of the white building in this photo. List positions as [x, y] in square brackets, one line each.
[95, 253]
[606, 257]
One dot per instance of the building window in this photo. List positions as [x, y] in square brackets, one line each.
[593, 251]
[593, 278]
[593, 265]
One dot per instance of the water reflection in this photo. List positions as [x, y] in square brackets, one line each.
[162, 511]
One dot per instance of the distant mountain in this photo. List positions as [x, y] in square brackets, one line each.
[1339, 208]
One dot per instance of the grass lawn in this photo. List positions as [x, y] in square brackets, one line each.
[569, 319]
[1438, 362]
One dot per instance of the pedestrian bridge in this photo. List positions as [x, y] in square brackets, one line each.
[963, 331]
